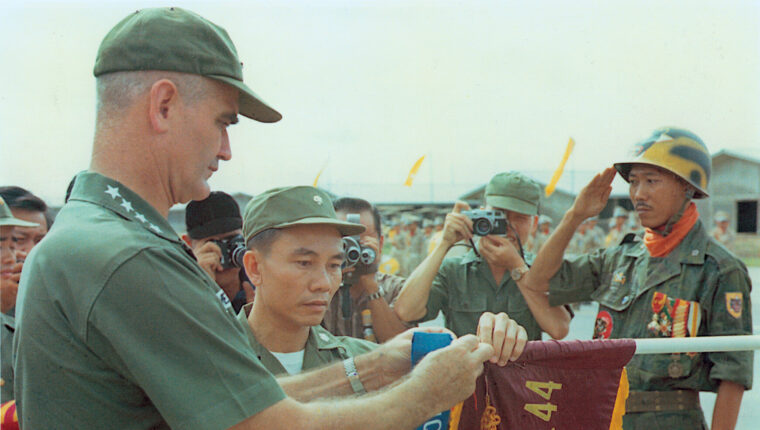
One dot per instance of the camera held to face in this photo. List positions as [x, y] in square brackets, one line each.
[233, 248]
[485, 222]
[362, 258]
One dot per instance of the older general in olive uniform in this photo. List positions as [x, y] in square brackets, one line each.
[675, 281]
[465, 287]
[118, 325]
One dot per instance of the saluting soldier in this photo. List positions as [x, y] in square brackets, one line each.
[675, 281]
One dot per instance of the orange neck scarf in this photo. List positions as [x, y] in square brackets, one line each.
[659, 245]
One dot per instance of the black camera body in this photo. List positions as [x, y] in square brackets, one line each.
[363, 259]
[233, 248]
[485, 222]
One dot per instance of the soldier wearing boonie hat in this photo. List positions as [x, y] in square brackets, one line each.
[119, 325]
[674, 281]
[9, 287]
[466, 286]
[722, 231]
[277, 225]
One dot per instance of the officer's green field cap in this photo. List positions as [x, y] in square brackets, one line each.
[287, 206]
[515, 192]
[7, 218]
[177, 40]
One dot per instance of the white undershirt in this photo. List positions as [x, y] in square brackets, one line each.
[291, 361]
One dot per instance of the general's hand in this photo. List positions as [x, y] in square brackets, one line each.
[448, 374]
[593, 197]
[209, 257]
[457, 226]
[500, 251]
[506, 336]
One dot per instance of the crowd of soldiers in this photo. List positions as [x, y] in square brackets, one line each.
[408, 244]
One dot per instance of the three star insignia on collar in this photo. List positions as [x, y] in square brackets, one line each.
[112, 191]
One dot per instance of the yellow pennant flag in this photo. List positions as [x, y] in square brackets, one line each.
[316, 180]
[413, 172]
[558, 173]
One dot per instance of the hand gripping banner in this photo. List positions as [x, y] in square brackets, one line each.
[552, 386]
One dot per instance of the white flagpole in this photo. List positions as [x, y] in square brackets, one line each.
[697, 344]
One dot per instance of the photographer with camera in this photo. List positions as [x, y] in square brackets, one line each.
[487, 278]
[364, 287]
[215, 236]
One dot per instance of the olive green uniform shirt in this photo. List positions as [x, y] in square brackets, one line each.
[7, 328]
[322, 347]
[464, 288]
[352, 326]
[119, 327]
[624, 280]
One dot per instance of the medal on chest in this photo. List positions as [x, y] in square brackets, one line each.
[673, 317]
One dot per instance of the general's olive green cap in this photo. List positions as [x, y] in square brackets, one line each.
[515, 192]
[177, 40]
[287, 206]
[7, 218]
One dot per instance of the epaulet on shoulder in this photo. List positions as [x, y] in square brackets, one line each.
[630, 238]
[721, 254]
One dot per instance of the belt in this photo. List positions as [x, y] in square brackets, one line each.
[655, 401]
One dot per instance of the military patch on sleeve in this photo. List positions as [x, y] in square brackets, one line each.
[734, 304]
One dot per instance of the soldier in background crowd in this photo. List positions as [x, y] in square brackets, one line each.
[542, 233]
[617, 227]
[26, 206]
[371, 290]
[8, 293]
[416, 249]
[212, 224]
[722, 231]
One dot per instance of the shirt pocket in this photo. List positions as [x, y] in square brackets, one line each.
[466, 303]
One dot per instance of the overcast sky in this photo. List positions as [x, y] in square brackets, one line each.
[367, 87]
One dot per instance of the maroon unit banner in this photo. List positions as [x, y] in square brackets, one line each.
[554, 385]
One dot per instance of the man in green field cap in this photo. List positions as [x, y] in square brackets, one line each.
[466, 287]
[8, 292]
[119, 327]
[294, 258]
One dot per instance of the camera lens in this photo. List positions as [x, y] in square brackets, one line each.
[482, 227]
[368, 256]
[236, 256]
[352, 251]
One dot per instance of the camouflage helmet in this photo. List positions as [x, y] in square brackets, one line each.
[676, 150]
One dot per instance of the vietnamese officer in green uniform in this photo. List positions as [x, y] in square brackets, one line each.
[118, 325]
[464, 287]
[676, 281]
[9, 290]
[294, 259]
